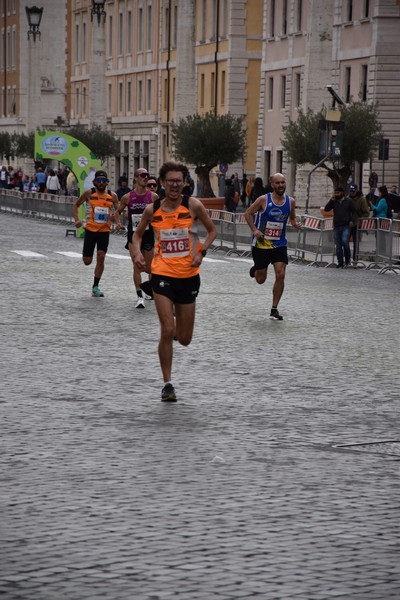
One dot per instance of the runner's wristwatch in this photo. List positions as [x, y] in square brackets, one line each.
[203, 252]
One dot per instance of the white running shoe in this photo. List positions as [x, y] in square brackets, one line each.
[139, 303]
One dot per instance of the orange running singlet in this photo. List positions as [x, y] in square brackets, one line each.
[176, 242]
[99, 217]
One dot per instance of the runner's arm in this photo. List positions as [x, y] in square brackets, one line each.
[82, 198]
[257, 205]
[198, 210]
[138, 235]
[116, 213]
[292, 217]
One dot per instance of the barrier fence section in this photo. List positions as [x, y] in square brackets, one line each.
[366, 241]
[378, 239]
[41, 206]
[315, 238]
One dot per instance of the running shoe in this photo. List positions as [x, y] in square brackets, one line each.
[139, 303]
[275, 315]
[96, 292]
[146, 297]
[147, 289]
[252, 272]
[168, 393]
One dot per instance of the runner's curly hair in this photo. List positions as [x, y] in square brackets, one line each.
[173, 166]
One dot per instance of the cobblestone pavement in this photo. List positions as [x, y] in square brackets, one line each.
[263, 481]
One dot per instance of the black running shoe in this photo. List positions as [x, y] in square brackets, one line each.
[168, 393]
[252, 272]
[275, 315]
[146, 288]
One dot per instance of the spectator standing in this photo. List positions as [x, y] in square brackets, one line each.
[362, 210]
[344, 218]
[41, 179]
[382, 209]
[52, 183]
[4, 177]
[257, 190]
[123, 188]
[243, 186]
[231, 196]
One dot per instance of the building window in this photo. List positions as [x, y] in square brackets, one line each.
[272, 18]
[297, 91]
[166, 28]
[349, 10]
[284, 17]
[110, 35]
[150, 28]
[77, 42]
[267, 165]
[299, 15]
[279, 161]
[140, 30]
[109, 108]
[203, 20]
[223, 85]
[365, 9]
[136, 160]
[270, 93]
[149, 99]
[212, 90]
[173, 93]
[202, 90]
[175, 27]
[129, 33]
[13, 49]
[223, 18]
[77, 98]
[364, 82]
[214, 32]
[140, 96]
[120, 33]
[283, 91]
[165, 103]
[84, 42]
[145, 156]
[129, 96]
[347, 84]
[120, 96]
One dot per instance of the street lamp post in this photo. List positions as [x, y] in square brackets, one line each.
[98, 10]
[34, 106]
[34, 15]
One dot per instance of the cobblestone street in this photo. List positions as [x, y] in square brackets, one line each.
[274, 476]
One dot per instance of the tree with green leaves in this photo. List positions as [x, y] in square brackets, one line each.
[101, 142]
[362, 132]
[206, 141]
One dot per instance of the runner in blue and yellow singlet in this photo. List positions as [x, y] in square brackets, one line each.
[267, 218]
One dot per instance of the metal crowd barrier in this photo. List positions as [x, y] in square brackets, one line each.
[41, 206]
[378, 239]
[315, 238]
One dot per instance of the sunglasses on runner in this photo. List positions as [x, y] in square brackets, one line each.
[144, 175]
[101, 179]
[154, 185]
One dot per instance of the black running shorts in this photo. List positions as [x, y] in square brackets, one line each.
[263, 258]
[179, 290]
[93, 238]
[147, 240]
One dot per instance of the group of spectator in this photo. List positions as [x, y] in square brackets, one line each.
[60, 181]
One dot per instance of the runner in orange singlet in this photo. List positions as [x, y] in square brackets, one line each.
[100, 203]
[176, 265]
